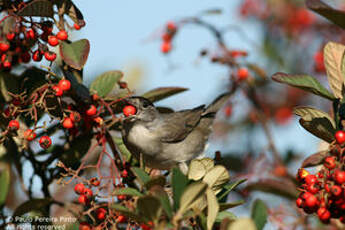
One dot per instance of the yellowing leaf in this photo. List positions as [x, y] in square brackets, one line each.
[333, 57]
[212, 208]
[196, 170]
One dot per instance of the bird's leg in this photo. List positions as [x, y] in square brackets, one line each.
[183, 167]
[141, 161]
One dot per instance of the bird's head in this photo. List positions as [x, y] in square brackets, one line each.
[144, 109]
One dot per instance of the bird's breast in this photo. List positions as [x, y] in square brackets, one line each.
[144, 140]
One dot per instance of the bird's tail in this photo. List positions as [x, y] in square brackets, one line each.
[217, 103]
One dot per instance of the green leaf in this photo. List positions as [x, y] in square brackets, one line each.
[225, 206]
[163, 92]
[69, 8]
[320, 127]
[157, 180]
[75, 54]
[316, 122]
[333, 15]
[9, 25]
[33, 78]
[149, 207]
[333, 57]
[179, 182]
[105, 83]
[5, 178]
[284, 188]
[308, 113]
[242, 223]
[32, 205]
[79, 147]
[228, 188]
[122, 148]
[225, 214]
[159, 192]
[125, 211]
[126, 191]
[191, 196]
[304, 82]
[315, 159]
[212, 208]
[259, 214]
[141, 175]
[39, 8]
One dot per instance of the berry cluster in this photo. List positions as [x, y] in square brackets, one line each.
[324, 192]
[29, 134]
[27, 40]
[169, 33]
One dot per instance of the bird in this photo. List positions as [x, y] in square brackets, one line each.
[169, 139]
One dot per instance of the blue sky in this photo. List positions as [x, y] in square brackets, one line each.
[120, 33]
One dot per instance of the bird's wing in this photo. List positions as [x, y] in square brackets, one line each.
[176, 126]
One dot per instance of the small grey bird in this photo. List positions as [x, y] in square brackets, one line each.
[168, 139]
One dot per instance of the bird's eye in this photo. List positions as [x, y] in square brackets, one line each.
[146, 104]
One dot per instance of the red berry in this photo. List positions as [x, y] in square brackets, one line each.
[336, 190]
[311, 201]
[145, 227]
[329, 162]
[53, 40]
[95, 182]
[64, 84]
[79, 188]
[101, 213]
[58, 91]
[37, 56]
[283, 115]
[10, 36]
[75, 116]
[327, 188]
[13, 125]
[45, 142]
[4, 46]
[121, 197]
[310, 179]
[62, 35]
[95, 97]
[67, 123]
[76, 26]
[299, 202]
[166, 47]
[339, 176]
[171, 26]
[121, 219]
[82, 199]
[313, 188]
[302, 174]
[124, 173]
[7, 64]
[340, 137]
[84, 226]
[50, 56]
[30, 34]
[91, 111]
[323, 214]
[88, 193]
[166, 37]
[29, 135]
[129, 110]
[98, 120]
[242, 73]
